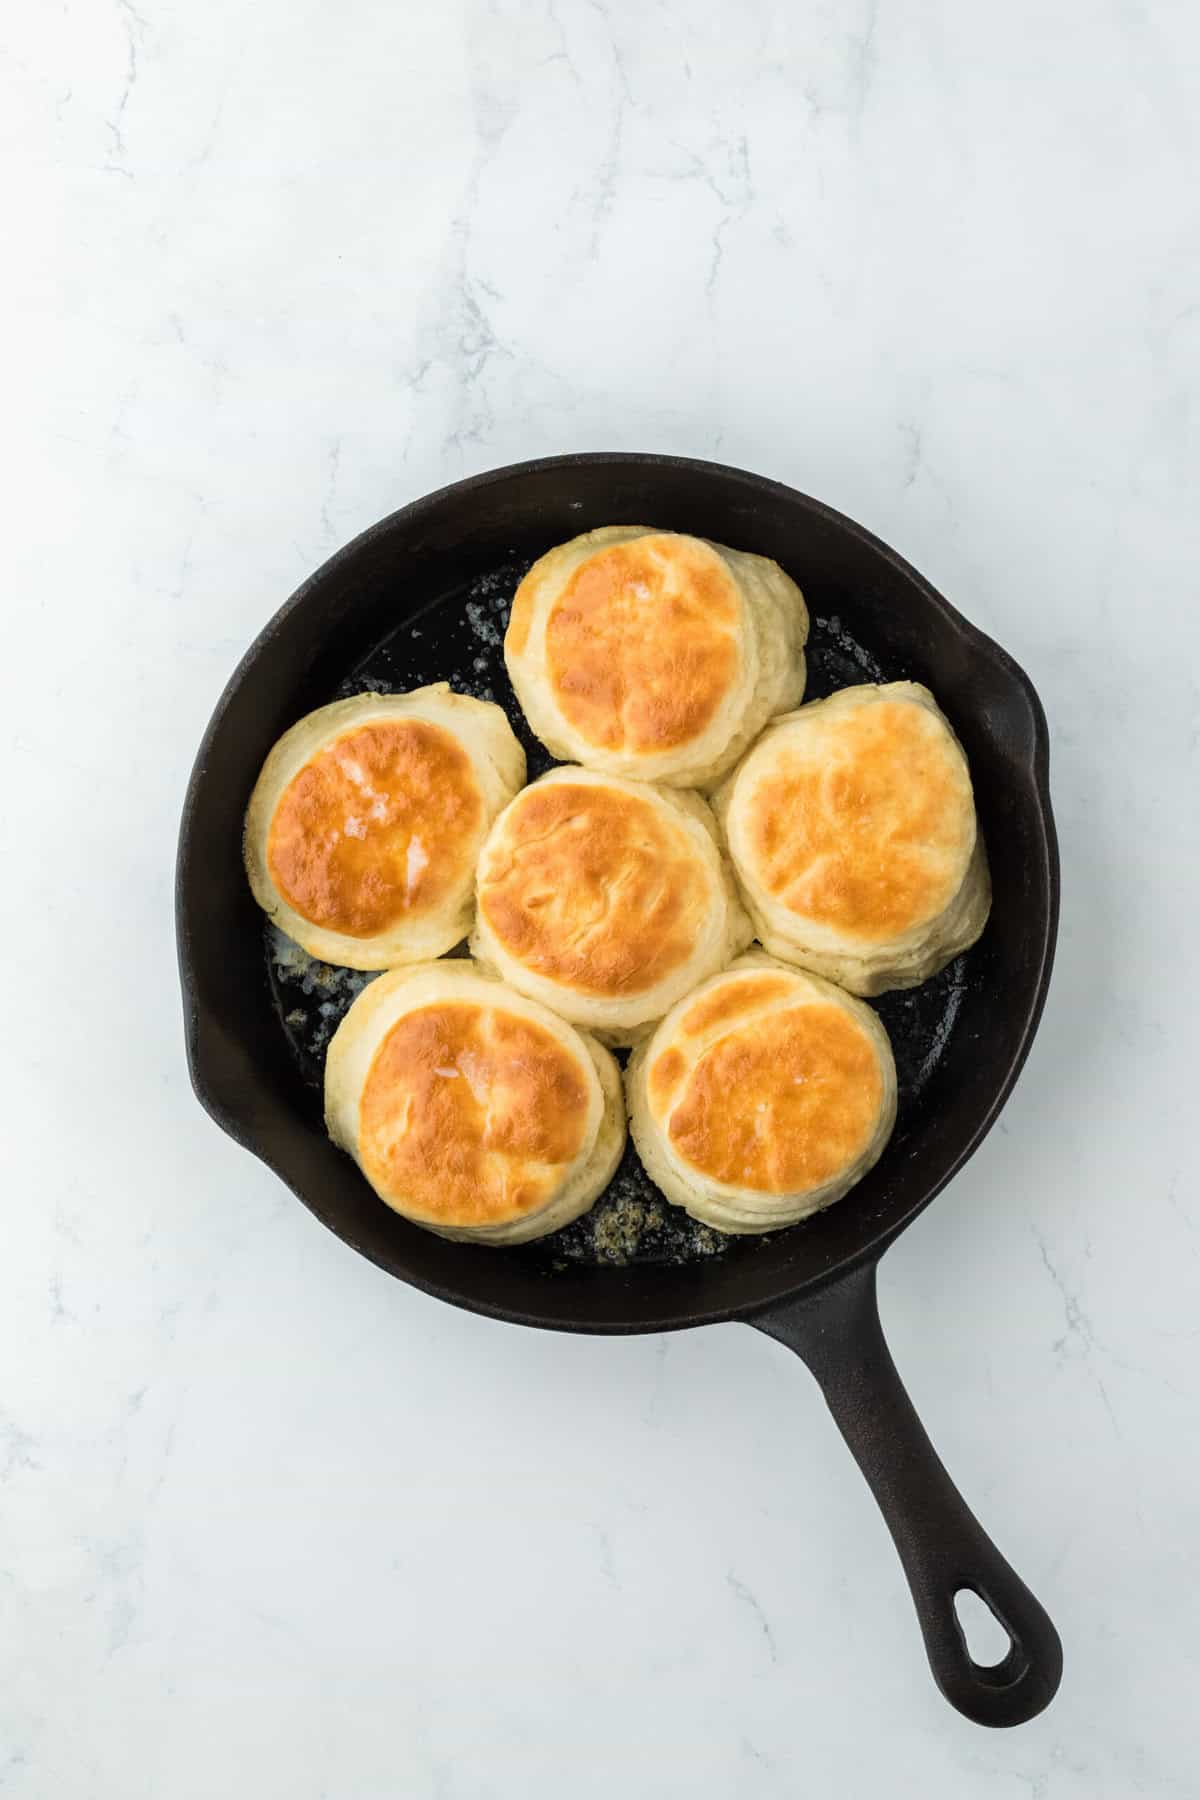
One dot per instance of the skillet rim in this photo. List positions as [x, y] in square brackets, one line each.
[1035, 762]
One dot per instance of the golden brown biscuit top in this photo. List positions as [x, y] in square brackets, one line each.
[470, 1115]
[726, 1002]
[641, 644]
[591, 886]
[379, 824]
[863, 823]
[781, 1104]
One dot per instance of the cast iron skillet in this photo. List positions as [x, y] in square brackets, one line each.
[433, 582]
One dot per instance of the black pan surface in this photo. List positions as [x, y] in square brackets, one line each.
[424, 596]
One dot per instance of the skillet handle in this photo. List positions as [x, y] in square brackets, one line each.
[942, 1546]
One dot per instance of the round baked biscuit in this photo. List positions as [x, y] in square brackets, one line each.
[851, 827]
[762, 1097]
[470, 1109]
[606, 899]
[653, 654]
[365, 824]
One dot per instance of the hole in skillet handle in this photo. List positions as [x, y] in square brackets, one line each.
[986, 1639]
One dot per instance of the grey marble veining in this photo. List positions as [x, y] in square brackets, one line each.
[270, 1523]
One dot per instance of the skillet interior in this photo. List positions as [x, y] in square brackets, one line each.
[423, 596]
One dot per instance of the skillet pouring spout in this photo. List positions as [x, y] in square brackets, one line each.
[942, 1546]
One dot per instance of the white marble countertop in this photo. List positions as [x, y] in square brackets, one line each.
[270, 1523]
